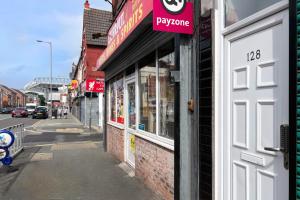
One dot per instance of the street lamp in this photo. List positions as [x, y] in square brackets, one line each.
[50, 44]
[108, 2]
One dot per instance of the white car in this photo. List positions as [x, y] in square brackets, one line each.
[30, 108]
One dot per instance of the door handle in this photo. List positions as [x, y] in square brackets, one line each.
[284, 145]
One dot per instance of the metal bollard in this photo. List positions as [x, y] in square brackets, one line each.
[18, 131]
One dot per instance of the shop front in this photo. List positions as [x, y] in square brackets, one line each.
[142, 97]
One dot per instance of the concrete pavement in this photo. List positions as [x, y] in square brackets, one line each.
[63, 160]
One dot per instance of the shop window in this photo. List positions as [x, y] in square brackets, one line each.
[147, 94]
[166, 62]
[112, 103]
[236, 10]
[120, 101]
[117, 100]
[131, 105]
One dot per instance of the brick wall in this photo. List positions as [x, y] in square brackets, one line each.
[154, 165]
[92, 55]
[115, 142]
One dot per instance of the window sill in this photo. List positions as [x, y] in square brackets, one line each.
[116, 125]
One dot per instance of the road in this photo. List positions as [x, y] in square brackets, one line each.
[5, 116]
[8, 121]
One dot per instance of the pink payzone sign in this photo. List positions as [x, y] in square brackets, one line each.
[173, 16]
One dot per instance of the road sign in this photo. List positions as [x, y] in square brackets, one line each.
[93, 85]
[7, 139]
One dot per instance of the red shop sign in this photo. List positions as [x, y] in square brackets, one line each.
[131, 15]
[93, 85]
[173, 16]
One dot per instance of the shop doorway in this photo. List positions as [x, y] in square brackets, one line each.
[130, 116]
[256, 110]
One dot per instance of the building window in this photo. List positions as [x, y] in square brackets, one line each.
[112, 103]
[155, 70]
[154, 113]
[147, 94]
[117, 100]
[166, 64]
[131, 105]
[236, 10]
[120, 100]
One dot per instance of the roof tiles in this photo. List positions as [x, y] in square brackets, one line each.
[96, 21]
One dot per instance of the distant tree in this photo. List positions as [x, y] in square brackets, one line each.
[42, 100]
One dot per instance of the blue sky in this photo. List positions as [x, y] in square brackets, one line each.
[23, 22]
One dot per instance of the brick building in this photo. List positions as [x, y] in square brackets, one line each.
[94, 22]
[20, 100]
[7, 97]
[10, 97]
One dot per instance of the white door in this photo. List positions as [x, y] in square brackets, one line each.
[130, 122]
[256, 104]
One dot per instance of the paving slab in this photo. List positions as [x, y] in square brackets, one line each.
[79, 170]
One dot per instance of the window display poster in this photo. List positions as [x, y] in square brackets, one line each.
[132, 143]
[112, 104]
[120, 102]
[142, 127]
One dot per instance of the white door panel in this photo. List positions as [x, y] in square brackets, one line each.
[130, 121]
[255, 105]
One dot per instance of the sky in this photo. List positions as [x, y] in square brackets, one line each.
[23, 22]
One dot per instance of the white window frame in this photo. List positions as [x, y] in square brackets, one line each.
[153, 137]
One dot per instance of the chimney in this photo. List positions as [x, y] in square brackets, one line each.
[87, 4]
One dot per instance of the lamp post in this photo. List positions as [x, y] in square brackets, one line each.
[50, 45]
[108, 2]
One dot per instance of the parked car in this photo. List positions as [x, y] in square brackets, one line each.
[40, 113]
[19, 112]
[6, 110]
[43, 107]
[31, 107]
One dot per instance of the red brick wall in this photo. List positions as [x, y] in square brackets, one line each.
[115, 142]
[92, 55]
[154, 165]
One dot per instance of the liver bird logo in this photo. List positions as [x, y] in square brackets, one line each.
[91, 85]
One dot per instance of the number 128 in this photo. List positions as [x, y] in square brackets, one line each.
[253, 55]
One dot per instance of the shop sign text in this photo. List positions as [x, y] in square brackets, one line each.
[132, 14]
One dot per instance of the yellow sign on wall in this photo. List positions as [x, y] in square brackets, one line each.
[132, 143]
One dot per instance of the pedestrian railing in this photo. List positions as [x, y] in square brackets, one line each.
[18, 131]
